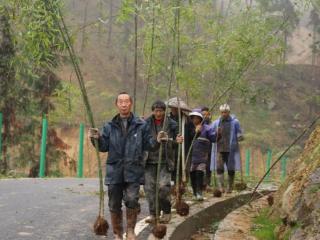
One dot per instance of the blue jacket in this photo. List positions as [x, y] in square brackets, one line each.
[234, 156]
[125, 152]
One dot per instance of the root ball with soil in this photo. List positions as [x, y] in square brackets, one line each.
[101, 226]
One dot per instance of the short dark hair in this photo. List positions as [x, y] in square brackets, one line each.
[205, 109]
[122, 93]
[158, 104]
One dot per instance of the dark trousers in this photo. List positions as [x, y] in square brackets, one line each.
[223, 159]
[208, 171]
[127, 192]
[164, 188]
[196, 181]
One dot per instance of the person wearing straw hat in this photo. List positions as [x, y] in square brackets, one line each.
[226, 153]
[155, 125]
[125, 138]
[187, 129]
[200, 151]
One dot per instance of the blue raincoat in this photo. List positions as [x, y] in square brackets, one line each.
[125, 153]
[234, 156]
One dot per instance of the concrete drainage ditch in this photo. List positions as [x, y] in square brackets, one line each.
[202, 214]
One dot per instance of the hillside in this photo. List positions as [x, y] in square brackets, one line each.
[284, 99]
[281, 110]
[297, 202]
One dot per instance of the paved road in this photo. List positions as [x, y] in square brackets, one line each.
[44, 209]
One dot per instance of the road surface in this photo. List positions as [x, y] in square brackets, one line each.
[63, 208]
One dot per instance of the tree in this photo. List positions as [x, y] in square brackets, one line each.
[213, 54]
[285, 10]
[110, 22]
[315, 47]
[7, 83]
[83, 39]
[29, 53]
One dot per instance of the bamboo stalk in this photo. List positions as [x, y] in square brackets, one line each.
[178, 195]
[314, 121]
[150, 61]
[176, 57]
[135, 71]
[183, 156]
[67, 40]
[172, 77]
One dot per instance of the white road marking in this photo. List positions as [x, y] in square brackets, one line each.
[25, 234]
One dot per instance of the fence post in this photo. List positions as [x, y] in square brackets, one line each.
[80, 156]
[43, 148]
[1, 120]
[248, 162]
[268, 165]
[283, 168]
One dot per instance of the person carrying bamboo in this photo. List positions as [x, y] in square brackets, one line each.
[125, 138]
[187, 128]
[205, 136]
[207, 120]
[155, 126]
[226, 151]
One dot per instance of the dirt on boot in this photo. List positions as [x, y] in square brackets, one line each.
[116, 221]
[131, 223]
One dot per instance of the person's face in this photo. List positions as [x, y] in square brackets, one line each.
[174, 111]
[225, 114]
[158, 113]
[124, 104]
[206, 114]
[196, 120]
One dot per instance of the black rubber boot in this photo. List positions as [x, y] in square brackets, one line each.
[199, 184]
[193, 182]
[230, 183]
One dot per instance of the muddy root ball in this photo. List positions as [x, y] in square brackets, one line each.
[101, 226]
[173, 190]
[159, 231]
[241, 186]
[270, 200]
[182, 189]
[217, 193]
[182, 208]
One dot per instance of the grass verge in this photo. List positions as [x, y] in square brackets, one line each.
[264, 226]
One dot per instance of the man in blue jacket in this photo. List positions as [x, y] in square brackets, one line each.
[226, 153]
[125, 138]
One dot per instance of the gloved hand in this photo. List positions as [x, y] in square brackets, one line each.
[162, 137]
[93, 133]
